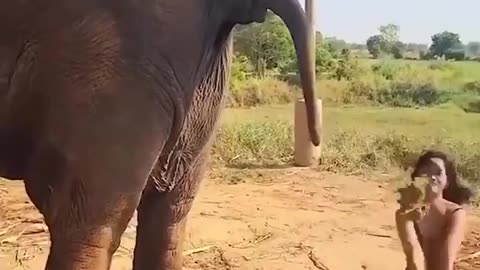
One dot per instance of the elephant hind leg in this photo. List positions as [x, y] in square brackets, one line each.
[162, 219]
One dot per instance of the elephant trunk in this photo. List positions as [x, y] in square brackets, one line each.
[294, 18]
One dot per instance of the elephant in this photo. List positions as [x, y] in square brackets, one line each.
[111, 106]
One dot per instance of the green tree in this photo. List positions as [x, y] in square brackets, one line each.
[398, 50]
[267, 45]
[376, 45]
[325, 55]
[390, 34]
[346, 68]
[443, 42]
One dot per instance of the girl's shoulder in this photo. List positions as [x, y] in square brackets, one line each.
[452, 208]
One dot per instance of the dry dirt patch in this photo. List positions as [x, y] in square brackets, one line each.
[278, 219]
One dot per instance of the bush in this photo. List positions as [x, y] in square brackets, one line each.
[472, 87]
[411, 94]
[361, 91]
[469, 104]
[388, 69]
[254, 91]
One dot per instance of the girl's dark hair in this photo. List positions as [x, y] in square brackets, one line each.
[454, 191]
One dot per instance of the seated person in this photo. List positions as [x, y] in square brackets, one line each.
[437, 232]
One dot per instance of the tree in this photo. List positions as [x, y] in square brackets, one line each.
[324, 57]
[473, 49]
[398, 49]
[457, 53]
[390, 33]
[267, 45]
[376, 45]
[443, 42]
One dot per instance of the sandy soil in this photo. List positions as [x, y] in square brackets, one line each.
[276, 219]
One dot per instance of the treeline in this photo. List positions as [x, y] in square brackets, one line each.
[264, 71]
[445, 45]
[268, 47]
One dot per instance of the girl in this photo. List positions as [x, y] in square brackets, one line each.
[438, 233]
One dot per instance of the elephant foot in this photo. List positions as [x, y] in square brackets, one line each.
[87, 252]
[160, 233]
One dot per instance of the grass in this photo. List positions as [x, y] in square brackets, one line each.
[355, 139]
[424, 122]
[394, 83]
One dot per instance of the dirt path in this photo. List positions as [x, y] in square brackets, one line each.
[271, 220]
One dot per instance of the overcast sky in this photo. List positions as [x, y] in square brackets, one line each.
[356, 20]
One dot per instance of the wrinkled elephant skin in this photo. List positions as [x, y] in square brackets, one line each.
[107, 106]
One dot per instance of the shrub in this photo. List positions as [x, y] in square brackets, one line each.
[255, 91]
[472, 87]
[469, 104]
[410, 94]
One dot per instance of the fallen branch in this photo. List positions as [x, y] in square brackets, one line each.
[197, 250]
[380, 235]
[469, 257]
[316, 262]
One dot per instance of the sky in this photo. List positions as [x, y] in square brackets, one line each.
[356, 20]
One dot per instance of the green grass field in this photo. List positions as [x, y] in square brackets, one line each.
[443, 121]
[355, 139]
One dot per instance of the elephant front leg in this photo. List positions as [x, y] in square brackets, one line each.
[162, 219]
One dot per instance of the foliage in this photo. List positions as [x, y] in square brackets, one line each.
[398, 50]
[457, 54]
[472, 87]
[346, 68]
[391, 35]
[268, 45]
[443, 42]
[239, 71]
[324, 58]
[386, 42]
[260, 91]
[376, 45]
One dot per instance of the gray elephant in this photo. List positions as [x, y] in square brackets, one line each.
[107, 106]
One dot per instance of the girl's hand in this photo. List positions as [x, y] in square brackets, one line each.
[415, 214]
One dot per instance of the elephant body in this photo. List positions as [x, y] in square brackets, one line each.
[107, 106]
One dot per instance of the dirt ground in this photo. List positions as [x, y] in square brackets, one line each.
[272, 219]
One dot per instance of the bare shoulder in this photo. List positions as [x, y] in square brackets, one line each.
[456, 215]
[454, 209]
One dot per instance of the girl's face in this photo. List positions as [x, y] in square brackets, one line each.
[435, 172]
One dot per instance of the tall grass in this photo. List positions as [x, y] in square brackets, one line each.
[356, 140]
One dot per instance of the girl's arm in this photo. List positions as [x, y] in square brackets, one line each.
[455, 235]
[408, 237]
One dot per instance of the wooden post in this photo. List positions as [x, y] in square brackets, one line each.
[305, 153]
